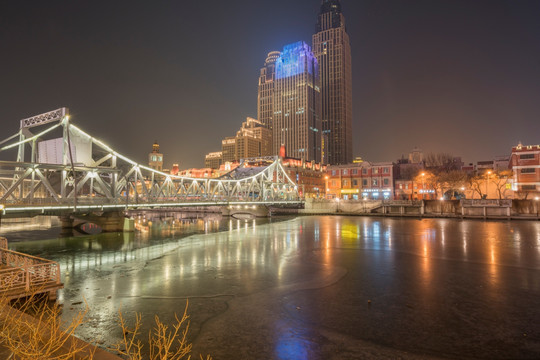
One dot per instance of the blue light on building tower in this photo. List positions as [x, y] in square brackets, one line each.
[295, 59]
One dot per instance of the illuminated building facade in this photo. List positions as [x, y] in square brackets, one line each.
[297, 103]
[213, 160]
[361, 180]
[525, 162]
[155, 158]
[265, 98]
[252, 140]
[332, 48]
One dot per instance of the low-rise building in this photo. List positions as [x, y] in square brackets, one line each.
[361, 180]
[525, 163]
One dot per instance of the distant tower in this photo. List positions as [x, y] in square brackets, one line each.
[265, 98]
[332, 48]
[155, 158]
[416, 156]
[297, 103]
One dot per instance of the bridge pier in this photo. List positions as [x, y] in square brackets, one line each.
[66, 223]
[246, 210]
[113, 221]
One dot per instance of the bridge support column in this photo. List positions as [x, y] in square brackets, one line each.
[66, 223]
[112, 222]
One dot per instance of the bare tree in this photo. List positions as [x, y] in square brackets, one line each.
[441, 161]
[429, 181]
[453, 181]
[42, 335]
[477, 183]
[500, 180]
[163, 343]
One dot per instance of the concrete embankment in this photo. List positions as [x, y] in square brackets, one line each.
[473, 209]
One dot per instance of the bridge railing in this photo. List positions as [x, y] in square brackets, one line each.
[22, 271]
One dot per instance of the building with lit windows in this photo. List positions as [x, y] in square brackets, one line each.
[155, 158]
[332, 49]
[252, 140]
[297, 103]
[525, 163]
[364, 180]
[213, 160]
[265, 98]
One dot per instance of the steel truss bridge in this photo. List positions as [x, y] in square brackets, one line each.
[76, 173]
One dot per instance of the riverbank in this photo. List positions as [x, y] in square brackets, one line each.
[455, 209]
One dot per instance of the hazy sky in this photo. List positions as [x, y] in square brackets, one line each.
[454, 76]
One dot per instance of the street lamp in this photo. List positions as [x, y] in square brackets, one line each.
[337, 208]
[423, 191]
[487, 178]
[536, 200]
[326, 186]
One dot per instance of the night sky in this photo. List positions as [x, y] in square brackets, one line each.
[454, 76]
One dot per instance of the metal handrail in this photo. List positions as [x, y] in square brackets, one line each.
[26, 271]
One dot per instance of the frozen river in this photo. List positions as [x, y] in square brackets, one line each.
[312, 287]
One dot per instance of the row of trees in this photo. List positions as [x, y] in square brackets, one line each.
[454, 183]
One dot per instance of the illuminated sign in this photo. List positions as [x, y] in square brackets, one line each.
[350, 191]
[426, 191]
[376, 190]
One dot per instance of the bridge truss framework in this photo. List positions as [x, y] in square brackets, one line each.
[109, 180]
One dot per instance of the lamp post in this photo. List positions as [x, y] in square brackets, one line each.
[423, 192]
[536, 201]
[487, 178]
[337, 207]
[326, 186]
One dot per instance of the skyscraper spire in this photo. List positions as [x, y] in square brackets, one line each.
[330, 16]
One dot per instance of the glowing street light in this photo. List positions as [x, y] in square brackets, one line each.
[487, 178]
[423, 190]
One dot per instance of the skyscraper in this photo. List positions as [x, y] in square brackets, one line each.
[297, 103]
[332, 48]
[265, 99]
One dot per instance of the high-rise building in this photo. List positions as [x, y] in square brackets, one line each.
[297, 103]
[155, 158]
[332, 48]
[265, 98]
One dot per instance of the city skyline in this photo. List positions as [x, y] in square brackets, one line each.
[455, 77]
